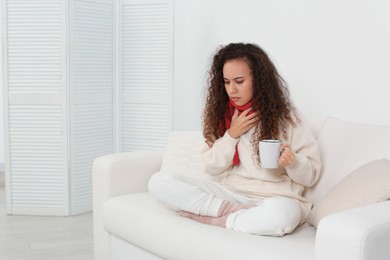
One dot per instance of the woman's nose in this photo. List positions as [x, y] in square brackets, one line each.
[231, 88]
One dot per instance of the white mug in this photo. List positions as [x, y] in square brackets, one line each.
[269, 151]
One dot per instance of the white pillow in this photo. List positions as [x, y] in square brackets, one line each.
[181, 155]
[366, 185]
[344, 146]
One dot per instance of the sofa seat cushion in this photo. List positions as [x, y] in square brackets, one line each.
[143, 221]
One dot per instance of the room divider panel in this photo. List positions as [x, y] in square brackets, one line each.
[68, 98]
[145, 59]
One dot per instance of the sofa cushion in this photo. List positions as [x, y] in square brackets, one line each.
[366, 185]
[143, 221]
[344, 146]
[181, 155]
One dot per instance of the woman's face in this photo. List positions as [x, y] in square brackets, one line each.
[238, 81]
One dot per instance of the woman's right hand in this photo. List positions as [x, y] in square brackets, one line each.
[242, 123]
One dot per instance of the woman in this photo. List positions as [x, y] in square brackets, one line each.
[247, 101]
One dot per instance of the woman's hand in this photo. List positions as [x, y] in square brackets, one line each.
[242, 123]
[287, 156]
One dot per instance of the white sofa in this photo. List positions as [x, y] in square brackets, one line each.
[130, 224]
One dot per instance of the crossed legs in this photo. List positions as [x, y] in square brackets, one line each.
[210, 203]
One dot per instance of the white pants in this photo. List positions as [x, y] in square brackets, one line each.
[274, 216]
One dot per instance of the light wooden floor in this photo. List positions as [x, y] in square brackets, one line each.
[44, 238]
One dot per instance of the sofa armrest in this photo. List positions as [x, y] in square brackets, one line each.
[114, 175]
[358, 234]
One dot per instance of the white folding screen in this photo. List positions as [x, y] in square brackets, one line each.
[35, 107]
[65, 103]
[59, 102]
[91, 99]
[145, 73]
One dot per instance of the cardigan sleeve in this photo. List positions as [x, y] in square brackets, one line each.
[218, 158]
[307, 165]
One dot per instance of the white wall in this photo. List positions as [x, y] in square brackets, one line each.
[194, 44]
[333, 54]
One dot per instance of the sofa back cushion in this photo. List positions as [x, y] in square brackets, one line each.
[345, 146]
[182, 153]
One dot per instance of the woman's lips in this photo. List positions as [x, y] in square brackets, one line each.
[235, 99]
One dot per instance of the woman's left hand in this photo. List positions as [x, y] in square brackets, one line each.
[287, 156]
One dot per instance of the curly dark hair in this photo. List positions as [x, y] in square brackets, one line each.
[271, 97]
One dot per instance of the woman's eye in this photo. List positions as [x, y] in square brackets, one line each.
[240, 82]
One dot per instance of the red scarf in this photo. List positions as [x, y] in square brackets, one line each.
[228, 120]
